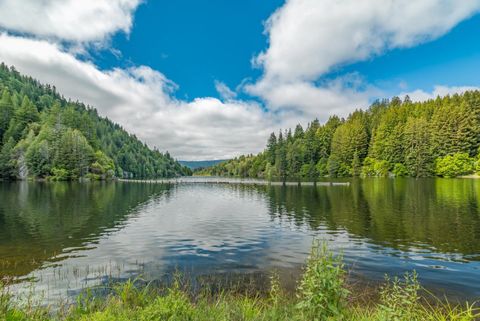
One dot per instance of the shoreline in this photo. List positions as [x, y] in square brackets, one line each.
[322, 292]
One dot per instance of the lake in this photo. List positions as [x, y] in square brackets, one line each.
[64, 237]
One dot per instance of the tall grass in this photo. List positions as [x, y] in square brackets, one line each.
[321, 294]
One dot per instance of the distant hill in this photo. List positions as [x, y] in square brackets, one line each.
[44, 135]
[201, 164]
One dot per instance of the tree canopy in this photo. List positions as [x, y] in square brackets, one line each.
[44, 135]
[391, 138]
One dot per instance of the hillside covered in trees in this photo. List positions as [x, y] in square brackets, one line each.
[392, 138]
[42, 135]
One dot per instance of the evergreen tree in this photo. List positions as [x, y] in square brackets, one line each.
[7, 165]
[399, 137]
[418, 157]
[6, 113]
[349, 138]
[455, 129]
[23, 116]
[271, 149]
[75, 154]
[281, 158]
[37, 122]
[298, 134]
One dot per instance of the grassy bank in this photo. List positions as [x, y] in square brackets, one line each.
[322, 294]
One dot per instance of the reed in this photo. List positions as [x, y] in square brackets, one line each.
[321, 294]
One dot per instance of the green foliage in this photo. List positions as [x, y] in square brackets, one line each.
[454, 165]
[281, 157]
[322, 293]
[6, 113]
[60, 174]
[400, 170]
[418, 156]
[398, 137]
[68, 136]
[349, 146]
[455, 127]
[7, 164]
[400, 300]
[174, 306]
[270, 152]
[103, 165]
[74, 154]
[375, 168]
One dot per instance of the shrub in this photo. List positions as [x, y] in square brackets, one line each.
[400, 300]
[375, 168]
[368, 168]
[400, 170]
[322, 293]
[322, 167]
[381, 168]
[477, 163]
[60, 174]
[454, 165]
[309, 171]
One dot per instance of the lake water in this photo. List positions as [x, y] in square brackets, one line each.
[68, 236]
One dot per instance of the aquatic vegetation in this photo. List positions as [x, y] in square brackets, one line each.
[322, 294]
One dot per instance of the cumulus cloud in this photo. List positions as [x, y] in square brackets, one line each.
[438, 91]
[69, 20]
[339, 96]
[310, 38]
[140, 100]
[307, 38]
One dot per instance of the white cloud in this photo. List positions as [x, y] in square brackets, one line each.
[140, 100]
[307, 40]
[224, 91]
[310, 38]
[438, 91]
[339, 96]
[69, 20]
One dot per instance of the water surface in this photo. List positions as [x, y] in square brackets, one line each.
[67, 236]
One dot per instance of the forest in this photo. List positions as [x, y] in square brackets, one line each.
[45, 136]
[438, 137]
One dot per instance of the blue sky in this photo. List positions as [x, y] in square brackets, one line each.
[212, 40]
[210, 79]
[451, 60]
[217, 39]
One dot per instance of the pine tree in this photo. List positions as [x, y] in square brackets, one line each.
[6, 113]
[271, 148]
[418, 157]
[25, 115]
[7, 165]
[281, 157]
[298, 134]
[75, 154]
[356, 165]
[349, 138]
[455, 129]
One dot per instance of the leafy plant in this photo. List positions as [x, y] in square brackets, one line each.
[322, 293]
[399, 300]
[454, 165]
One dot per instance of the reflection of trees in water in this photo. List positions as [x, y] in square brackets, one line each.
[39, 220]
[438, 213]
